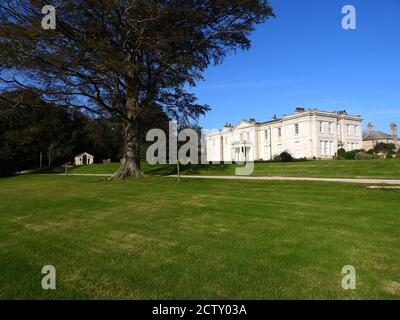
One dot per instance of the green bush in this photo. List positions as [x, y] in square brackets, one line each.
[350, 155]
[341, 153]
[362, 156]
[284, 157]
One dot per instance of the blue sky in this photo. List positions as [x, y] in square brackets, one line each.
[303, 57]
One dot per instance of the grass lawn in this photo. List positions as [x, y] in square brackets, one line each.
[202, 239]
[318, 168]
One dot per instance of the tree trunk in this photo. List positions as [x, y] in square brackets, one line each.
[130, 165]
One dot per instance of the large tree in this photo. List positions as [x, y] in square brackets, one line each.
[122, 58]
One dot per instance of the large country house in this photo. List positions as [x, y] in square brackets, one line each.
[305, 134]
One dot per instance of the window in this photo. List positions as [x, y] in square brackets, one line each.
[339, 130]
[248, 136]
[349, 130]
[297, 149]
[331, 128]
[226, 140]
[326, 148]
[241, 137]
[266, 135]
[357, 130]
[280, 149]
[321, 127]
[279, 132]
[296, 128]
[213, 142]
[266, 152]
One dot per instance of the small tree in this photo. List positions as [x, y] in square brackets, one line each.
[385, 148]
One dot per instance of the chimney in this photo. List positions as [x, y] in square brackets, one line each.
[299, 109]
[274, 117]
[370, 127]
[393, 131]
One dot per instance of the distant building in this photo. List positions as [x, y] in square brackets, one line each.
[371, 137]
[83, 159]
[304, 134]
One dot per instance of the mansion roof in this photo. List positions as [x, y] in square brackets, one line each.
[376, 135]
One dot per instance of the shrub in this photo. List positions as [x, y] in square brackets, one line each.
[341, 153]
[350, 155]
[284, 157]
[362, 156]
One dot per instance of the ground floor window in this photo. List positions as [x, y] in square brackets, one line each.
[297, 150]
[327, 148]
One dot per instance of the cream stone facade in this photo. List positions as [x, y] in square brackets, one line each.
[304, 134]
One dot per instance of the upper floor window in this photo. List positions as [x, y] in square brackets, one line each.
[279, 132]
[266, 134]
[321, 127]
[226, 140]
[296, 128]
[339, 130]
[248, 136]
[213, 142]
[241, 137]
[331, 128]
[349, 130]
[357, 130]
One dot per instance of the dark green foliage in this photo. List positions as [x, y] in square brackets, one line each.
[362, 156]
[284, 157]
[341, 153]
[350, 155]
[386, 148]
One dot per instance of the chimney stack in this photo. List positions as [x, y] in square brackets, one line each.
[299, 110]
[370, 127]
[393, 131]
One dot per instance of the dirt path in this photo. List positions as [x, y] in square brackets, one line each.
[345, 180]
[342, 180]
